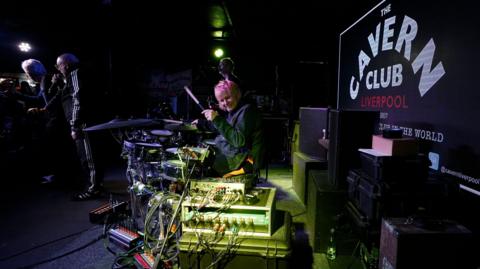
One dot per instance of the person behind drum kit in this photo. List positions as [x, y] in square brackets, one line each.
[239, 147]
[73, 98]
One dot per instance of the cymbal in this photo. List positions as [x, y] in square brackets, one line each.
[181, 127]
[172, 121]
[121, 123]
[148, 145]
[161, 132]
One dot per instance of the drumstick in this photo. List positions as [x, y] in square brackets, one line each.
[194, 98]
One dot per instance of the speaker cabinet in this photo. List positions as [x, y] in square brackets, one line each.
[294, 141]
[405, 244]
[313, 124]
[324, 204]
[349, 130]
[302, 164]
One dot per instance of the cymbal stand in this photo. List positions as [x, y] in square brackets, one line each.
[136, 188]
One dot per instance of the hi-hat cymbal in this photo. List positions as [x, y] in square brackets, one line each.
[122, 123]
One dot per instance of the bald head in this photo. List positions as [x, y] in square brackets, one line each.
[225, 66]
[67, 62]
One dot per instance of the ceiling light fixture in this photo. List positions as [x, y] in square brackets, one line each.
[24, 46]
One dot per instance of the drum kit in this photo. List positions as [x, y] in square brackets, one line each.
[160, 160]
[155, 155]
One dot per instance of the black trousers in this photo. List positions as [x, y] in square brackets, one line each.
[84, 152]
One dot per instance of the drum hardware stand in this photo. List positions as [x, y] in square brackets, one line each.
[177, 210]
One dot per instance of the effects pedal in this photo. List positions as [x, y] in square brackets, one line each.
[124, 237]
[145, 260]
[99, 215]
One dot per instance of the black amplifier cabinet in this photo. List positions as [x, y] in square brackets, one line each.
[349, 130]
[324, 204]
[380, 199]
[394, 168]
[313, 124]
[414, 244]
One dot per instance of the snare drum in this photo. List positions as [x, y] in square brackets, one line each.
[174, 170]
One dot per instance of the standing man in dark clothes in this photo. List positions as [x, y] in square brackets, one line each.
[239, 147]
[225, 69]
[74, 98]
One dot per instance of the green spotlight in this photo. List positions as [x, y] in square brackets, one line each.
[218, 52]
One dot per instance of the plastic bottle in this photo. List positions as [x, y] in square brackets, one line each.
[332, 247]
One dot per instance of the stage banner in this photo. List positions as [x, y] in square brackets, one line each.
[417, 63]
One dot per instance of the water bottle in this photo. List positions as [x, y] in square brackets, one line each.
[332, 247]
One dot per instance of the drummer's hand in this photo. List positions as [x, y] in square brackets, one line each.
[210, 114]
[35, 110]
[195, 122]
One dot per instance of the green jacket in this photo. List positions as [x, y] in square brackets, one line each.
[240, 136]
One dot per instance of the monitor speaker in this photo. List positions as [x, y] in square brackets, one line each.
[313, 124]
[349, 130]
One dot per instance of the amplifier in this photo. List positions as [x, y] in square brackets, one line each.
[313, 126]
[348, 131]
[324, 204]
[410, 244]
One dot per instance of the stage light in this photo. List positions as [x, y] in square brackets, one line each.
[218, 52]
[24, 46]
[217, 34]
